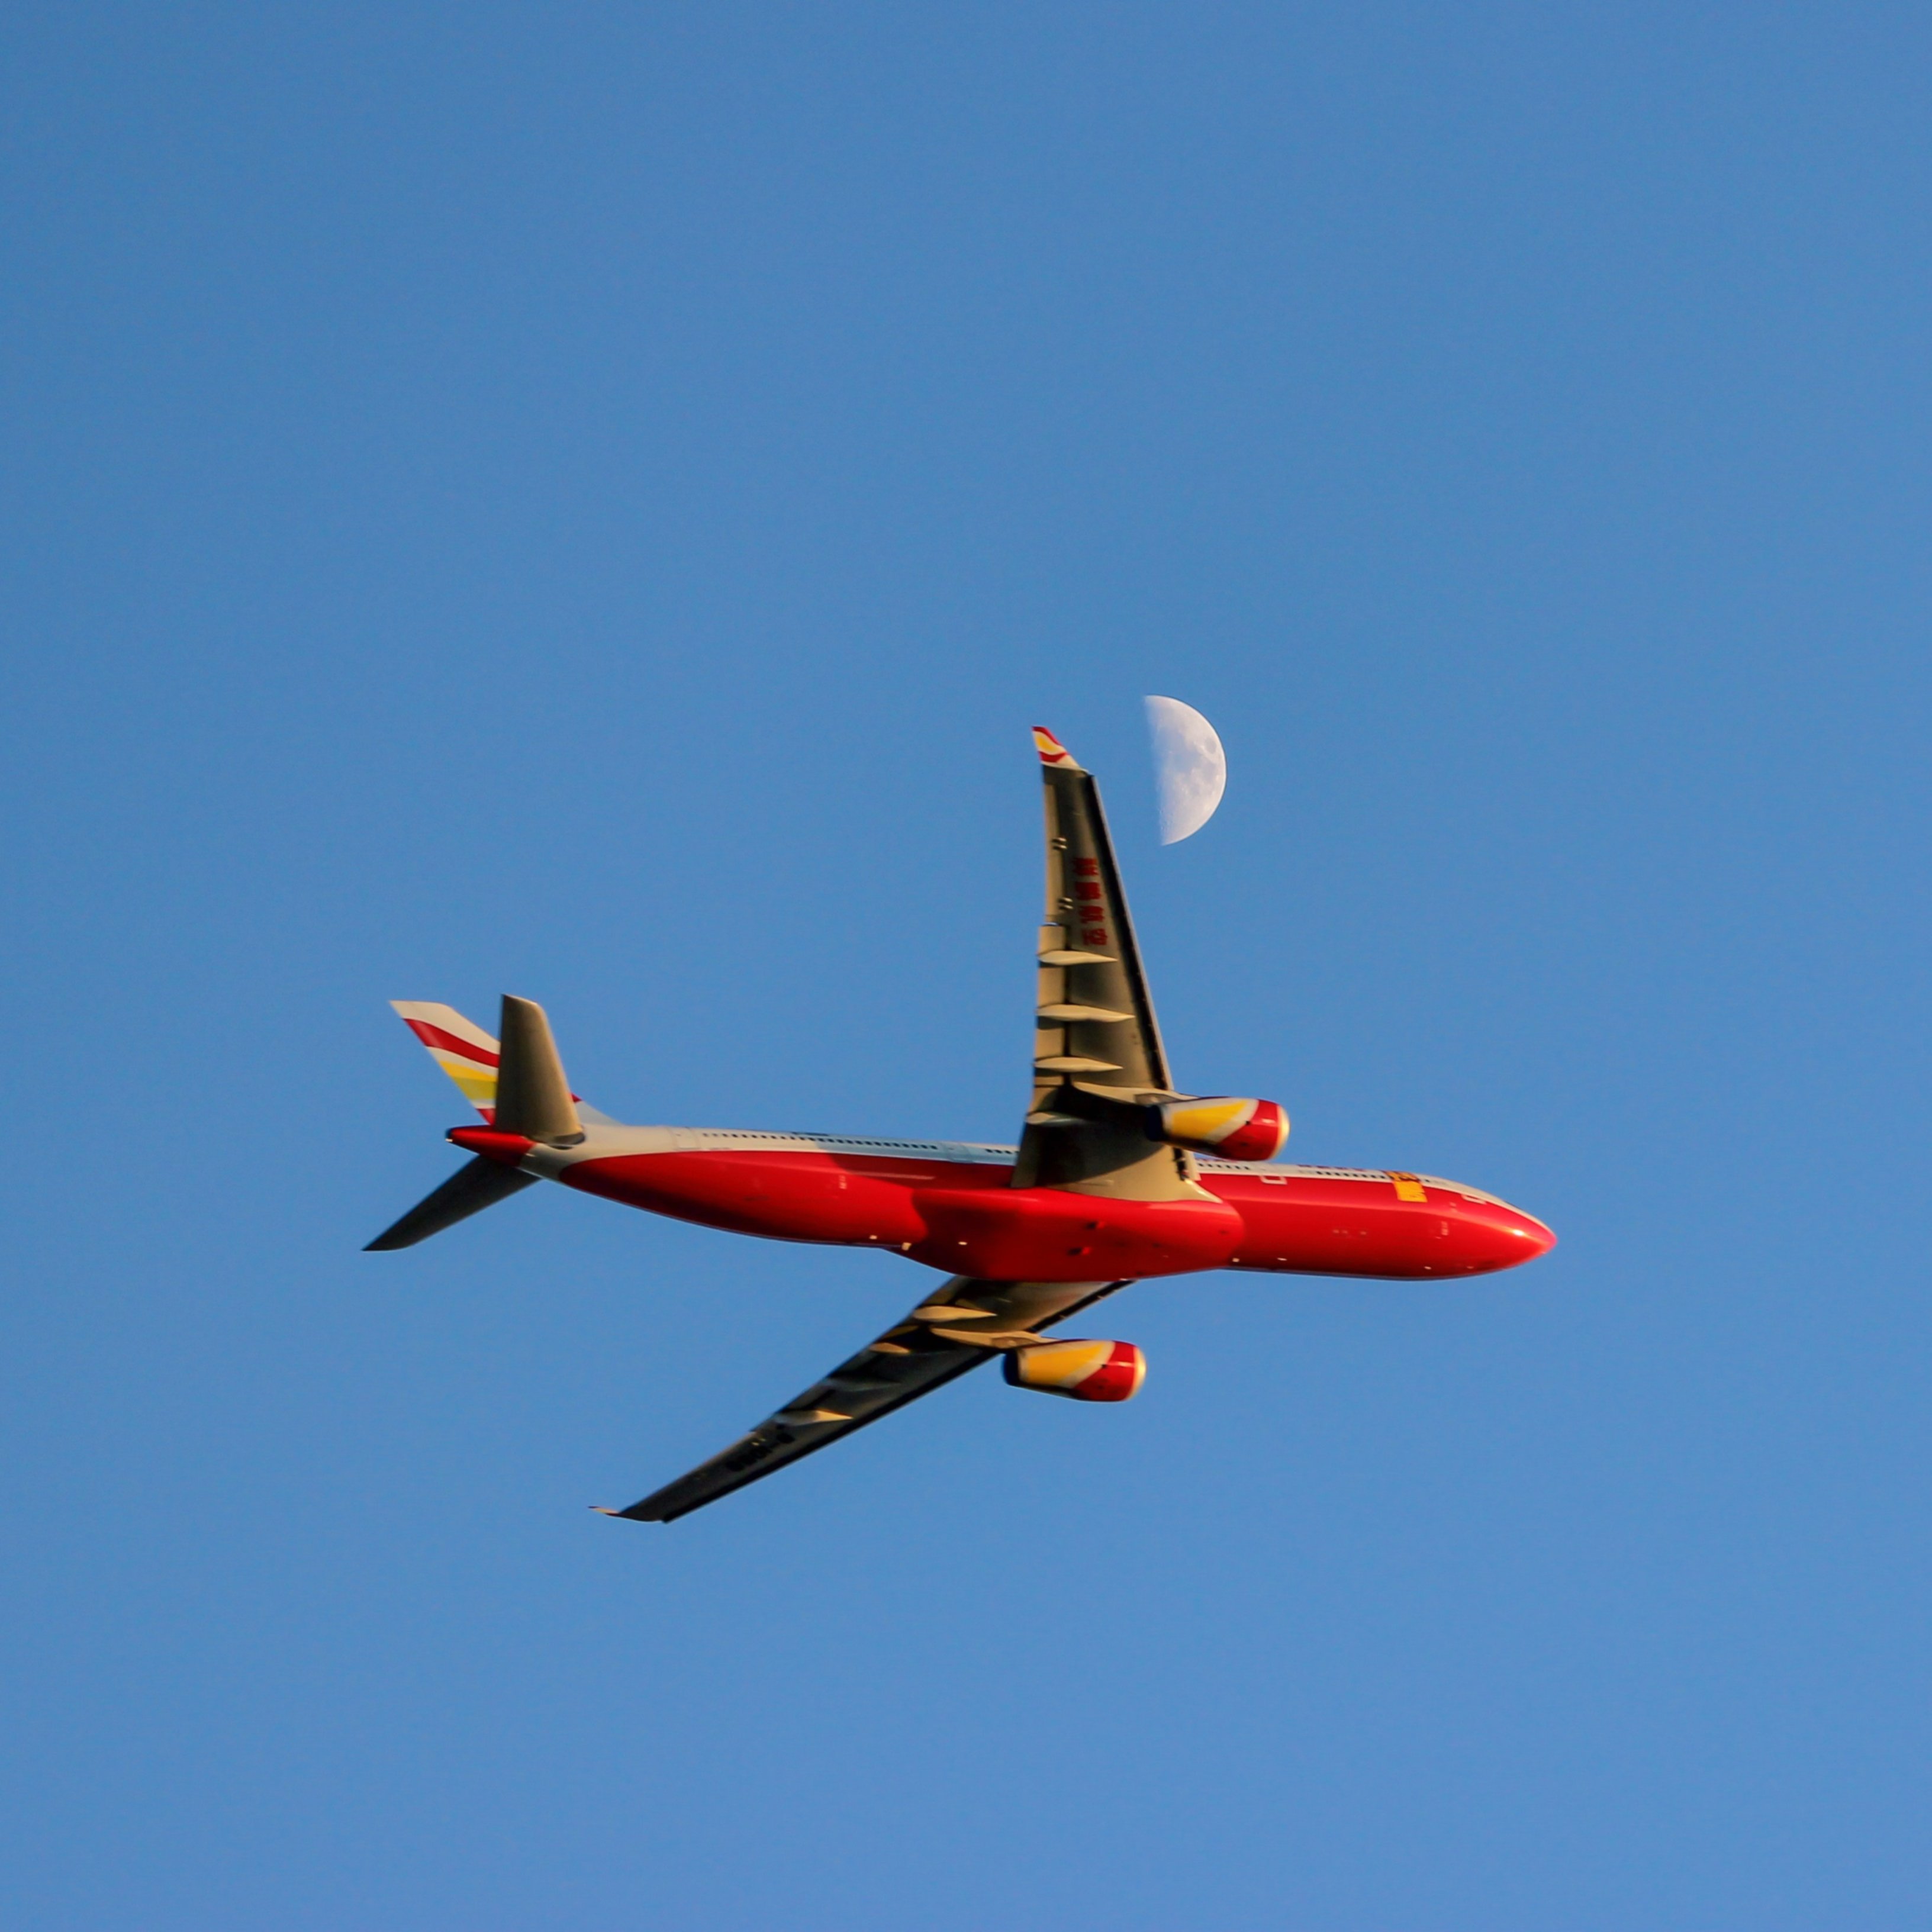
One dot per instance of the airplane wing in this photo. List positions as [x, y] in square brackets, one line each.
[961, 1324]
[1097, 1054]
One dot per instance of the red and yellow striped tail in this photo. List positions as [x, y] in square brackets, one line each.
[460, 1048]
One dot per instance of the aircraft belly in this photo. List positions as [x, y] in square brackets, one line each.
[974, 1223]
[791, 1197]
[1046, 1234]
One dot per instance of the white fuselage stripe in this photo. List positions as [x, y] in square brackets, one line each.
[603, 1142]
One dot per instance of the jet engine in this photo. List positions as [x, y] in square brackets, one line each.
[1087, 1371]
[1233, 1130]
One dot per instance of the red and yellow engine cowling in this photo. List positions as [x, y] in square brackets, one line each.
[1087, 1371]
[1233, 1130]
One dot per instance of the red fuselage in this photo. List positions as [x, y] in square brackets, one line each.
[953, 1207]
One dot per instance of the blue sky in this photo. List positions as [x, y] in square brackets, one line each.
[586, 503]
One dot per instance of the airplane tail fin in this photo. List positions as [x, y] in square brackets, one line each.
[460, 1047]
[522, 1073]
[518, 1085]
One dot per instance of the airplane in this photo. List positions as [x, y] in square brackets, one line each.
[1119, 1176]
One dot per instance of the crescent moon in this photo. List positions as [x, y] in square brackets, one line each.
[1190, 768]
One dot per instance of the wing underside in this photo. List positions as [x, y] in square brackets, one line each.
[962, 1324]
[1097, 1054]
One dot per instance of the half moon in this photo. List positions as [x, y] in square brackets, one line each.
[1190, 768]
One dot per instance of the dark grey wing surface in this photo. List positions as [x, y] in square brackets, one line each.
[1097, 1055]
[962, 1324]
[1096, 1019]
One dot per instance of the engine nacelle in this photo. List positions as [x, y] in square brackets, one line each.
[1087, 1371]
[1232, 1130]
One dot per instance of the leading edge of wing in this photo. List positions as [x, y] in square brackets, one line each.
[925, 1350]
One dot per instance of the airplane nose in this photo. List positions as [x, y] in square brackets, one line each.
[1525, 1237]
[1495, 1235]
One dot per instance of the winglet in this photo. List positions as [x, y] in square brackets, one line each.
[1052, 751]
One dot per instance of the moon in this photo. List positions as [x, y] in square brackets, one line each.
[1190, 768]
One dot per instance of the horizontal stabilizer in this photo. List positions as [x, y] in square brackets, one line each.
[468, 1191]
[533, 1097]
